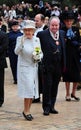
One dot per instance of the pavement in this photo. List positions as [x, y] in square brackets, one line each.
[11, 118]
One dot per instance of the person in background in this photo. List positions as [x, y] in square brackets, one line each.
[66, 8]
[55, 11]
[29, 54]
[20, 20]
[40, 26]
[2, 25]
[3, 63]
[46, 21]
[75, 11]
[78, 24]
[41, 4]
[39, 21]
[12, 13]
[53, 47]
[72, 73]
[12, 35]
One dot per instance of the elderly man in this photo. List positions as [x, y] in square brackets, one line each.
[52, 43]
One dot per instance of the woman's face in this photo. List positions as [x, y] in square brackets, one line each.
[29, 32]
[15, 28]
[68, 23]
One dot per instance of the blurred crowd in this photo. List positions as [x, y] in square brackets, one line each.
[24, 11]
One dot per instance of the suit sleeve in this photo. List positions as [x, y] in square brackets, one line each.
[3, 42]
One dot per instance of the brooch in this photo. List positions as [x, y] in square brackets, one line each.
[57, 42]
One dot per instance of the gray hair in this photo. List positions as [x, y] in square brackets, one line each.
[54, 17]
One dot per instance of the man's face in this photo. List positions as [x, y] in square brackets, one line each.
[38, 21]
[54, 26]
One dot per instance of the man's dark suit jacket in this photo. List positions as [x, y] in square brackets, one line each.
[3, 49]
[46, 40]
[53, 62]
[3, 63]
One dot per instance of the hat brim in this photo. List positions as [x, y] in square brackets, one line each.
[67, 15]
[29, 27]
[68, 18]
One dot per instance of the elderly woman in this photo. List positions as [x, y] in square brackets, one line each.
[29, 54]
[72, 73]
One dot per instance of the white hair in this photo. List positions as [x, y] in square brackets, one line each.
[53, 17]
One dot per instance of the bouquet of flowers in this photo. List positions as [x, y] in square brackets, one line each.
[37, 54]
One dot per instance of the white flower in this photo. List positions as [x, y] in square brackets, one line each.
[37, 54]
